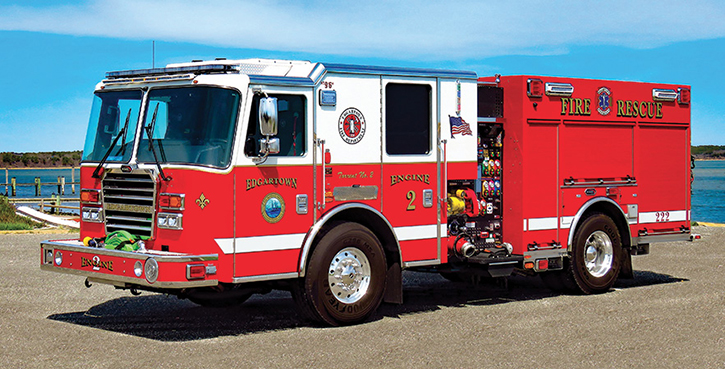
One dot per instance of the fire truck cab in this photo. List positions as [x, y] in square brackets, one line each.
[234, 177]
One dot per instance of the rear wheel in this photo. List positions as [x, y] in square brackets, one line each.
[595, 258]
[596, 254]
[345, 278]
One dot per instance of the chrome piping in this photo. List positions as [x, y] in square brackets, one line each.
[266, 277]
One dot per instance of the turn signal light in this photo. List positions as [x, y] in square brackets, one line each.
[197, 271]
[683, 95]
[529, 265]
[90, 196]
[171, 201]
[543, 264]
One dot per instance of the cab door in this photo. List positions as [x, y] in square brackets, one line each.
[273, 194]
[348, 152]
[410, 166]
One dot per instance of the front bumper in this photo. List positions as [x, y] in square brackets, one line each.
[129, 269]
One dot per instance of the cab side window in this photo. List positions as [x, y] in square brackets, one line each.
[407, 119]
[291, 126]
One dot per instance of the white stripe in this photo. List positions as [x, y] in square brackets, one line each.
[566, 222]
[525, 226]
[662, 216]
[540, 224]
[420, 232]
[261, 243]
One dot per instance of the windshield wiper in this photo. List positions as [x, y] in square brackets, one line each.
[113, 144]
[122, 150]
[150, 132]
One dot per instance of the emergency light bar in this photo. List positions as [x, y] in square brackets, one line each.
[559, 89]
[659, 94]
[196, 69]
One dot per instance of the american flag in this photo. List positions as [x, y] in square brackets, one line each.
[458, 125]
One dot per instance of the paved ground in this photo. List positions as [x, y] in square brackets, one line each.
[672, 315]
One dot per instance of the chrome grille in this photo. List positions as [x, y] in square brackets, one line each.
[128, 203]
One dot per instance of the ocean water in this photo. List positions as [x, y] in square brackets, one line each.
[24, 176]
[708, 189]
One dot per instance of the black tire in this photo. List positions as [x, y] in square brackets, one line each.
[345, 279]
[596, 255]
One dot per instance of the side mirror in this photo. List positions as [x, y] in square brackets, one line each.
[268, 116]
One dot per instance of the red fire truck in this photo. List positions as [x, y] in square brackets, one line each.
[238, 177]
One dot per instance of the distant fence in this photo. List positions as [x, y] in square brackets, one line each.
[13, 185]
[52, 204]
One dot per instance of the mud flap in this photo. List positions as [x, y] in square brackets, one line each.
[394, 285]
[626, 271]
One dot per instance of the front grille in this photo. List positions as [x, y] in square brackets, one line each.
[128, 203]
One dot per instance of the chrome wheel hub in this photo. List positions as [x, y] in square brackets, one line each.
[349, 275]
[598, 254]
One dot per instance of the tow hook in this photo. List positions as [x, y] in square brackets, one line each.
[135, 292]
[87, 283]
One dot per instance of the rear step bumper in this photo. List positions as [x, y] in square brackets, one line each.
[153, 269]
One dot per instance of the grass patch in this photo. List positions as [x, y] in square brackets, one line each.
[9, 221]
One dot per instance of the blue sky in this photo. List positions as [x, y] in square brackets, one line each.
[52, 53]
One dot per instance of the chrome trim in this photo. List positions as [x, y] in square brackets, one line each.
[266, 277]
[315, 229]
[161, 256]
[545, 254]
[355, 193]
[587, 205]
[558, 89]
[659, 94]
[397, 71]
[412, 264]
[662, 238]
[125, 282]
[281, 81]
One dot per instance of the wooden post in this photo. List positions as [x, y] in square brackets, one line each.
[13, 183]
[42, 204]
[37, 186]
[73, 179]
[62, 185]
[6, 182]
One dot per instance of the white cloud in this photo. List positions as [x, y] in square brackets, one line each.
[391, 29]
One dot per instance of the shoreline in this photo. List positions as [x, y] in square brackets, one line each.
[39, 168]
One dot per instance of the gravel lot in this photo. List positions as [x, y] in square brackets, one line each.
[671, 315]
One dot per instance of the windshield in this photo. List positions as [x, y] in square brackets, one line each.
[192, 125]
[108, 118]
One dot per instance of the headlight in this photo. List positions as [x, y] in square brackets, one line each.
[92, 215]
[169, 221]
[151, 269]
[58, 258]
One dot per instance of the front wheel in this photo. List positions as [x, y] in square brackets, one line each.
[345, 278]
